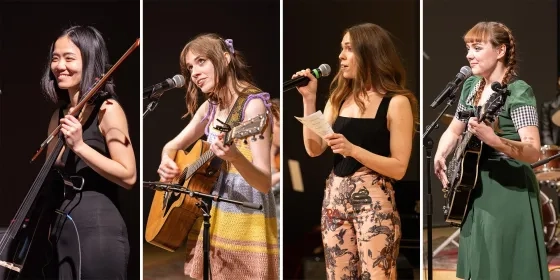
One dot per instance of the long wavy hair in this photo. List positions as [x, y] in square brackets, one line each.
[213, 47]
[378, 66]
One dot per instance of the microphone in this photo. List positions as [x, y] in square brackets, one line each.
[157, 90]
[451, 87]
[322, 71]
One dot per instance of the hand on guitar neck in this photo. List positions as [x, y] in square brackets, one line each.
[226, 152]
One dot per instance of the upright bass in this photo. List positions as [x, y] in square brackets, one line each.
[20, 235]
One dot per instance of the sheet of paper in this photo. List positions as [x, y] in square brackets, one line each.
[295, 175]
[317, 123]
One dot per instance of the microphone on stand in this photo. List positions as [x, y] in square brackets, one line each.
[166, 187]
[451, 87]
[157, 90]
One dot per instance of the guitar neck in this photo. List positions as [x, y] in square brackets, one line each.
[204, 158]
[462, 146]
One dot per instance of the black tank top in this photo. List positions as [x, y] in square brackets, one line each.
[370, 134]
[74, 165]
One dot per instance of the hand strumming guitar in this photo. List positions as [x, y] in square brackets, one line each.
[168, 169]
[439, 169]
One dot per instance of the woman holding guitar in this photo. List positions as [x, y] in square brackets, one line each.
[372, 114]
[502, 233]
[88, 231]
[243, 242]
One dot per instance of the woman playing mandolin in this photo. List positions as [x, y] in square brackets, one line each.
[243, 241]
[89, 233]
[502, 232]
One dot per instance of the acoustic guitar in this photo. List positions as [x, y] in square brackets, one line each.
[462, 172]
[172, 215]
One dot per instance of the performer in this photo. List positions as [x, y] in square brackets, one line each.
[372, 114]
[89, 233]
[550, 132]
[502, 234]
[243, 242]
[275, 157]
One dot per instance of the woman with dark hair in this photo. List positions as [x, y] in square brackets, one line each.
[243, 241]
[502, 234]
[88, 233]
[372, 114]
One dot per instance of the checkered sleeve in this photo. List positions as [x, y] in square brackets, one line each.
[522, 105]
[467, 95]
[460, 108]
[523, 116]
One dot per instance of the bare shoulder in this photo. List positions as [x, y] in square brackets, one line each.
[202, 110]
[112, 115]
[254, 107]
[399, 104]
[111, 106]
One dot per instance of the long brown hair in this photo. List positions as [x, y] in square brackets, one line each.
[497, 34]
[213, 47]
[378, 66]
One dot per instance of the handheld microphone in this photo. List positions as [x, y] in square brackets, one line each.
[451, 87]
[170, 83]
[322, 71]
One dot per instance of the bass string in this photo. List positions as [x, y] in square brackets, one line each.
[16, 224]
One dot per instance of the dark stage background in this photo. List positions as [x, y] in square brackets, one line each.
[534, 26]
[254, 27]
[26, 30]
[312, 32]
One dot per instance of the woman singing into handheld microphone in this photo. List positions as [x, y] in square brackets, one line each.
[372, 114]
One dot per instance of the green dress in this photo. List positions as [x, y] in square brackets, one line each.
[502, 235]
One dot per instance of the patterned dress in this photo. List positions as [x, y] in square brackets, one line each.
[244, 242]
[502, 235]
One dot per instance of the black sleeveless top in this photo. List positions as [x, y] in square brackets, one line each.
[74, 165]
[370, 134]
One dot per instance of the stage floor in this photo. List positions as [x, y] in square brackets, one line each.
[444, 263]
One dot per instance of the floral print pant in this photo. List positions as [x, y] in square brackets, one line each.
[360, 227]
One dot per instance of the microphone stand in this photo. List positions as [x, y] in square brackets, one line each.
[159, 186]
[544, 161]
[154, 99]
[428, 145]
